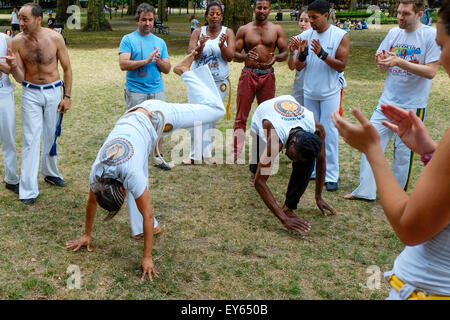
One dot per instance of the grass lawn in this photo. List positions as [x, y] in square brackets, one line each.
[222, 244]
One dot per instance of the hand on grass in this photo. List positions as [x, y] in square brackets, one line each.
[324, 207]
[84, 241]
[148, 268]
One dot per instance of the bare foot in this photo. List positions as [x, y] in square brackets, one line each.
[185, 64]
[210, 160]
[352, 197]
[156, 231]
[252, 179]
[188, 161]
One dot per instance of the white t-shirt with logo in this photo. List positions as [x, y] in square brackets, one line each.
[320, 80]
[285, 113]
[125, 152]
[402, 88]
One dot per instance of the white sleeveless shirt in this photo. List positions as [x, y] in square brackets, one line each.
[427, 265]
[6, 85]
[320, 80]
[285, 113]
[212, 56]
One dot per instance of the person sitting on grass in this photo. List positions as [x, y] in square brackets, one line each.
[121, 166]
[364, 24]
[421, 220]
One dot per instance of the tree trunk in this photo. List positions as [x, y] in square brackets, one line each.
[132, 6]
[237, 13]
[393, 5]
[162, 13]
[96, 20]
[353, 5]
[61, 11]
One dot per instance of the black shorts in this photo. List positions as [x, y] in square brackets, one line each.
[15, 27]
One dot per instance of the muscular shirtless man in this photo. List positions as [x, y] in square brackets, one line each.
[34, 63]
[259, 39]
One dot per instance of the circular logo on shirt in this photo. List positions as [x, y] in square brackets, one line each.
[288, 108]
[116, 152]
[223, 87]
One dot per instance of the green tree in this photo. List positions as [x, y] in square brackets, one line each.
[61, 11]
[237, 13]
[96, 20]
[162, 12]
[132, 6]
[393, 5]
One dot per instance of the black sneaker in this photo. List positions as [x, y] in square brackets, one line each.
[331, 186]
[13, 187]
[56, 181]
[28, 201]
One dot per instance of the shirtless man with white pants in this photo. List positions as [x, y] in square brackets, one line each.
[34, 63]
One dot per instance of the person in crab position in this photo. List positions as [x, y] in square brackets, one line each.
[121, 166]
[283, 123]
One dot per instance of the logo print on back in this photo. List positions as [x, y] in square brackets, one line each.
[288, 108]
[116, 152]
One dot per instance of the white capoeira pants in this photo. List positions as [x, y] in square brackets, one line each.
[136, 219]
[202, 135]
[39, 111]
[204, 104]
[8, 136]
[402, 164]
[322, 110]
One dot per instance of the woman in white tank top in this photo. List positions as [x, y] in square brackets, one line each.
[215, 46]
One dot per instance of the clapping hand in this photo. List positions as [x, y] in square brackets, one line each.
[294, 44]
[316, 46]
[409, 128]
[152, 55]
[223, 38]
[10, 59]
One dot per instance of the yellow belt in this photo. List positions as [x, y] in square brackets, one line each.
[397, 284]
[229, 100]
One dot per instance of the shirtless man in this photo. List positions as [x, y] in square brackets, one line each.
[259, 39]
[34, 63]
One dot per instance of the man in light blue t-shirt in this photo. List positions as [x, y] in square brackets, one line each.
[144, 56]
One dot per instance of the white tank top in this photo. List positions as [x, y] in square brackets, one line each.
[5, 84]
[285, 113]
[320, 80]
[427, 265]
[212, 56]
